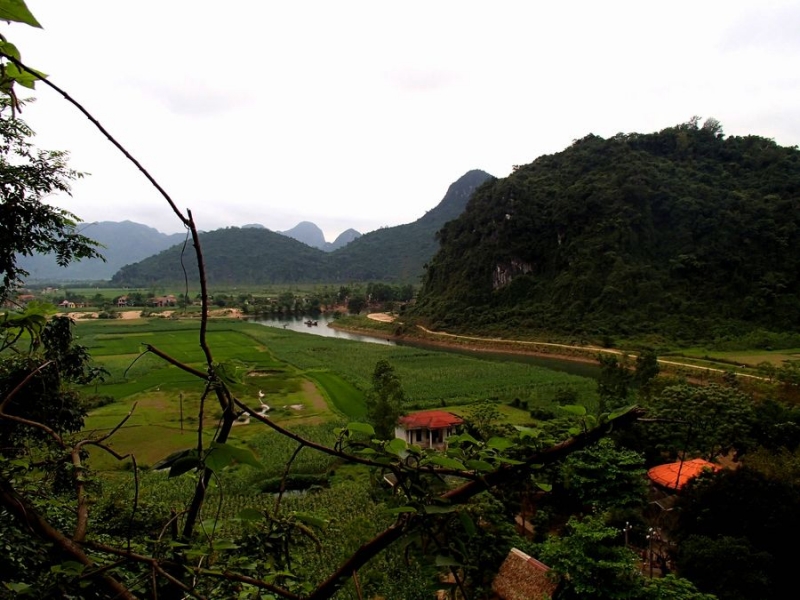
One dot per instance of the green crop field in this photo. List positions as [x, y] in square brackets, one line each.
[303, 378]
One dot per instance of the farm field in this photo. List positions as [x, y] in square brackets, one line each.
[750, 358]
[305, 379]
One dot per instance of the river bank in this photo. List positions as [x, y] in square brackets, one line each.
[419, 335]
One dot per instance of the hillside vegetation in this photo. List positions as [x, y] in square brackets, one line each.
[259, 256]
[683, 233]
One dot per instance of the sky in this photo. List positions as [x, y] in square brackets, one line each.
[360, 114]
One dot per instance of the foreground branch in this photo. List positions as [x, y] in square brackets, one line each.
[462, 494]
[27, 514]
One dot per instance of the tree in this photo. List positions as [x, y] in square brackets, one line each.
[613, 382]
[704, 420]
[355, 304]
[744, 514]
[591, 562]
[646, 371]
[39, 409]
[27, 224]
[385, 400]
[603, 477]
[482, 418]
[672, 587]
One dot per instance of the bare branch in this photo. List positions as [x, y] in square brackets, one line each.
[102, 130]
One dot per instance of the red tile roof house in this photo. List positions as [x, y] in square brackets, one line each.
[429, 429]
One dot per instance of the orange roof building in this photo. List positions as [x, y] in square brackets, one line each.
[676, 475]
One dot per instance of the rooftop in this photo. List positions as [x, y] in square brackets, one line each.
[430, 419]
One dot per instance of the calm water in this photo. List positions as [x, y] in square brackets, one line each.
[298, 324]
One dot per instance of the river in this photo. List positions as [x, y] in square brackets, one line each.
[298, 324]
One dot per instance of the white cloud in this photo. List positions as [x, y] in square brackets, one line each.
[360, 114]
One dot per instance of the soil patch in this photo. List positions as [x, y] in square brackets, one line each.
[382, 317]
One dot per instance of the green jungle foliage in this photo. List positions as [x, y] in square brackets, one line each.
[683, 233]
[259, 256]
[736, 532]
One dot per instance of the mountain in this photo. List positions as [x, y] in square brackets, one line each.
[308, 233]
[344, 238]
[232, 255]
[259, 256]
[682, 233]
[311, 235]
[400, 253]
[124, 242]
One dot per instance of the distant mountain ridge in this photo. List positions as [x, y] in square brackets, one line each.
[123, 243]
[126, 242]
[311, 235]
[400, 253]
[260, 256]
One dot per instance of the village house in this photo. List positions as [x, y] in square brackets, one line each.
[429, 429]
[162, 301]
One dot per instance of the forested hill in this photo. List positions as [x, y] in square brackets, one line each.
[258, 256]
[232, 255]
[684, 233]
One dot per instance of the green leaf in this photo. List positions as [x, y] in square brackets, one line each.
[184, 465]
[361, 428]
[240, 455]
[467, 523]
[400, 510]
[621, 411]
[396, 446]
[250, 514]
[23, 77]
[18, 587]
[446, 561]
[510, 461]
[69, 567]
[545, 487]
[479, 465]
[447, 463]
[462, 438]
[224, 545]
[528, 432]
[9, 49]
[574, 409]
[438, 509]
[500, 443]
[365, 451]
[310, 519]
[17, 10]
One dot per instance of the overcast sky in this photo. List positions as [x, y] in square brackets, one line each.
[360, 114]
